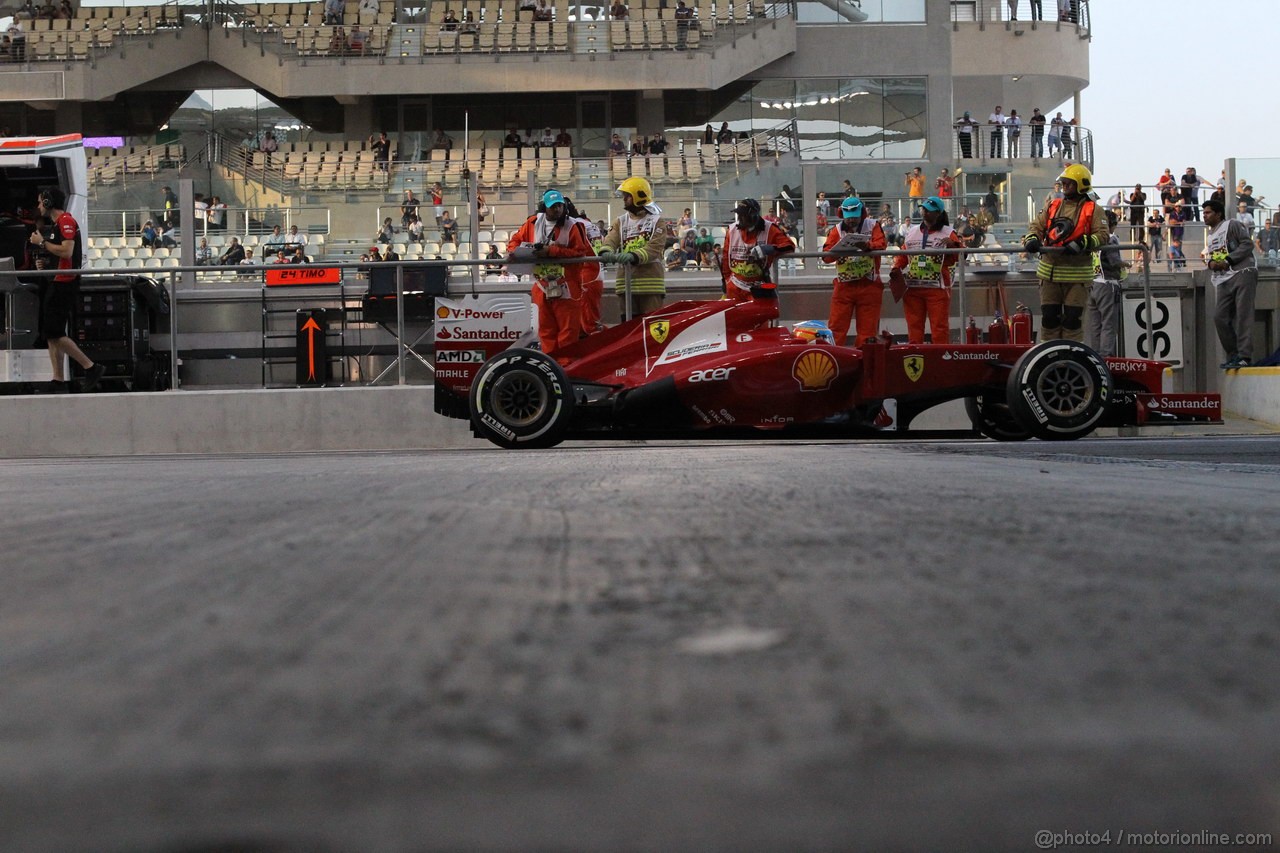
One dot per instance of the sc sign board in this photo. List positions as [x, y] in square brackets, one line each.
[1156, 337]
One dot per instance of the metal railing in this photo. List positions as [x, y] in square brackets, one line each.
[1035, 13]
[419, 42]
[986, 142]
[1187, 237]
[177, 294]
[237, 221]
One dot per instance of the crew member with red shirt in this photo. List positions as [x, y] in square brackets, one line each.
[858, 289]
[554, 234]
[924, 281]
[58, 297]
[751, 245]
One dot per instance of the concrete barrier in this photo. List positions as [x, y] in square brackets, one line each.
[1253, 393]
[248, 421]
[362, 418]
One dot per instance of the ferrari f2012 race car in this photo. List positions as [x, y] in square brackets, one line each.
[722, 369]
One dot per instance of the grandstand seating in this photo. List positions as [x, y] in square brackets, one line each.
[349, 165]
[498, 26]
[111, 165]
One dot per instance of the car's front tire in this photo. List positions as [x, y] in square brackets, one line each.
[521, 398]
[1059, 390]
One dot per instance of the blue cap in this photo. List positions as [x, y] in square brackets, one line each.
[551, 198]
[851, 207]
[934, 204]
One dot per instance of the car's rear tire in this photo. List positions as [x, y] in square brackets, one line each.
[990, 415]
[521, 398]
[1059, 390]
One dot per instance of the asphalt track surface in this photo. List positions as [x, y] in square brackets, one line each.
[749, 646]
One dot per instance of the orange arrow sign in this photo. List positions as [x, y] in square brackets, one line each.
[311, 327]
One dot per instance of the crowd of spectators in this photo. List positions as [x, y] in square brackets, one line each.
[1058, 137]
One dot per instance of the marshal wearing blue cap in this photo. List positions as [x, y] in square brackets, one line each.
[923, 282]
[552, 234]
[858, 291]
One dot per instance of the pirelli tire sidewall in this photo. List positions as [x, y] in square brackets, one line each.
[1059, 390]
[521, 398]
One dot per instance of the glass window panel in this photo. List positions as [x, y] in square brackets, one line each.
[818, 119]
[905, 121]
[860, 11]
[861, 119]
[868, 118]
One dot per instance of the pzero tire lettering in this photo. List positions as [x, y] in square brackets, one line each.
[521, 399]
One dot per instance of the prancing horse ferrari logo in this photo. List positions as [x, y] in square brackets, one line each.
[914, 366]
[658, 330]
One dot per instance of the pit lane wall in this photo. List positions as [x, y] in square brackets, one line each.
[366, 418]
[1253, 393]
[233, 421]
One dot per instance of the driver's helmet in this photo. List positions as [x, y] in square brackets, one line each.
[813, 332]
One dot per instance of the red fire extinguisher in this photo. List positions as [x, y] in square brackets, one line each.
[998, 331]
[971, 331]
[1022, 326]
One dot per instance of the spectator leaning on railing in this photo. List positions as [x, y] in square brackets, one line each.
[1268, 241]
[1037, 122]
[1155, 233]
[964, 134]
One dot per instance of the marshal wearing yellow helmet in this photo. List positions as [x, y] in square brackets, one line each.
[637, 237]
[1071, 229]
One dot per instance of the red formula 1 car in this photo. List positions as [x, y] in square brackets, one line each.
[722, 369]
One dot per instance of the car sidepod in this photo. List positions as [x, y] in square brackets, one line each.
[770, 387]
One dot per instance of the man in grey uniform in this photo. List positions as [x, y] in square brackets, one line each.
[1228, 252]
[1102, 317]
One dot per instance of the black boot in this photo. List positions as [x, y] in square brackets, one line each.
[92, 377]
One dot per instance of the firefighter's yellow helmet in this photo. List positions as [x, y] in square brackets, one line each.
[638, 189]
[1081, 175]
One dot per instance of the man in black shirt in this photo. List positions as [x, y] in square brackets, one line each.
[1037, 122]
[382, 151]
[408, 208]
[58, 295]
[991, 202]
[1190, 186]
[233, 254]
[1155, 233]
